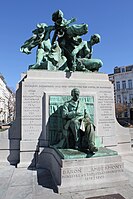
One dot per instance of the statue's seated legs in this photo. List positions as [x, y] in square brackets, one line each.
[88, 137]
[88, 64]
[75, 127]
[83, 139]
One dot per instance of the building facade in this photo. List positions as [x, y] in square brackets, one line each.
[7, 102]
[122, 79]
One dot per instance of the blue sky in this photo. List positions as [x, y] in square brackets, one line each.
[112, 19]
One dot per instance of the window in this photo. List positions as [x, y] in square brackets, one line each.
[131, 98]
[125, 114]
[118, 99]
[130, 84]
[129, 68]
[124, 98]
[124, 84]
[123, 70]
[116, 70]
[117, 85]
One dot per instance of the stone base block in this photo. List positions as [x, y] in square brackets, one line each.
[4, 144]
[14, 156]
[83, 173]
[3, 155]
[124, 148]
[28, 159]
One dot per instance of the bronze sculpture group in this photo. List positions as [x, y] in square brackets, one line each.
[66, 50]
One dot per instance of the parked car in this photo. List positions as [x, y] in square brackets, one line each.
[124, 123]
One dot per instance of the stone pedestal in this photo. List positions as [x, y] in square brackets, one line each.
[33, 109]
[83, 173]
[29, 135]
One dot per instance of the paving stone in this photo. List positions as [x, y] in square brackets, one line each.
[19, 192]
[22, 177]
[3, 186]
[6, 171]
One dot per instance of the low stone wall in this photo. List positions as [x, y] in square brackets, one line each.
[4, 146]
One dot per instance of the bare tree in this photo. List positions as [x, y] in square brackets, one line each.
[120, 109]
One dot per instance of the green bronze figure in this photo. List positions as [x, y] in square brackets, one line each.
[65, 50]
[61, 24]
[77, 125]
[83, 55]
[65, 36]
[40, 38]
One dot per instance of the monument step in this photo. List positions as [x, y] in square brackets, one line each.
[83, 173]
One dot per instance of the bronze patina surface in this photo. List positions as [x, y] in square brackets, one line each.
[77, 154]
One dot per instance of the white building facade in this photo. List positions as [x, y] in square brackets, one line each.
[122, 78]
[6, 102]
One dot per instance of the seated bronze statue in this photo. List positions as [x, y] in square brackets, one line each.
[78, 130]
